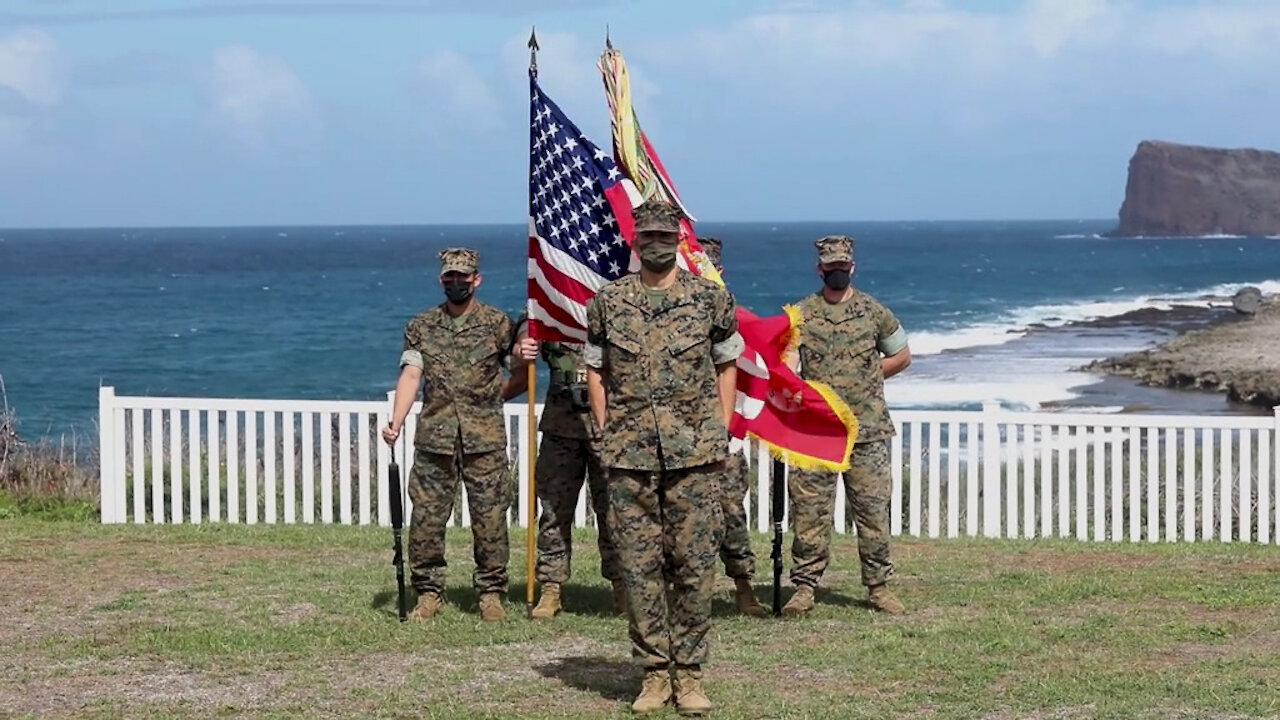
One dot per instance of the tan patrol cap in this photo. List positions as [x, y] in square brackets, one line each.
[463, 260]
[834, 248]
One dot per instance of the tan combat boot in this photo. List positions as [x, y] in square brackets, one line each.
[619, 597]
[884, 601]
[800, 603]
[429, 604]
[745, 598]
[691, 699]
[491, 607]
[549, 604]
[655, 693]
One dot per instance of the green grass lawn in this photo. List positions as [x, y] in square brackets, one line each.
[285, 622]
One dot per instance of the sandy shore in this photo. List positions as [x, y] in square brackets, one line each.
[1239, 355]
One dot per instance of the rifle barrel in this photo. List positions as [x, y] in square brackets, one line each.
[397, 525]
[777, 506]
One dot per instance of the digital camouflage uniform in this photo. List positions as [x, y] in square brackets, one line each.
[569, 452]
[665, 443]
[735, 550]
[841, 346]
[459, 435]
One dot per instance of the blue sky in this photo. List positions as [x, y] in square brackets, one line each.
[241, 112]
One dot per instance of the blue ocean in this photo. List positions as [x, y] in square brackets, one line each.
[995, 310]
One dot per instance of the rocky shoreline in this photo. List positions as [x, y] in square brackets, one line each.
[1236, 354]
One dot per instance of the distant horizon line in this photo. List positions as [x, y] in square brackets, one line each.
[520, 224]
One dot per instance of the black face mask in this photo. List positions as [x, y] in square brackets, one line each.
[458, 291]
[836, 279]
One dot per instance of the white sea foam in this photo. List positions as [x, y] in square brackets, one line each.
[1015, 324]
[1210, 236]
[1022, 392]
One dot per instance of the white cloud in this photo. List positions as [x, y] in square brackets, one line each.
[979, 68]
[259, 98]
[942, 32]
[32, 79]
[31, 65]
[567, 73]
[459, 92]
[566, 69]
[477, 97]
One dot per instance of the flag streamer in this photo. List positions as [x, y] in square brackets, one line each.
[802, 422]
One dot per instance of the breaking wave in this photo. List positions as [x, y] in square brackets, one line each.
[1016, 323]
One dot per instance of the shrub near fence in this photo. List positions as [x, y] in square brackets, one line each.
[994, 473]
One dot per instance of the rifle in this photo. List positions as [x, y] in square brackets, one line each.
[397, 524]
[776, 480]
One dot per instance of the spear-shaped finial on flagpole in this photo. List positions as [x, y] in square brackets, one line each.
[533, 50]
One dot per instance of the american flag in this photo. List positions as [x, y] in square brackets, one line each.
[579, 222]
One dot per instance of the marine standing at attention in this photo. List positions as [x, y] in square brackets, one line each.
[568, 453]
[850, 342]
[456, 353]
[662, 347]
[735, 550]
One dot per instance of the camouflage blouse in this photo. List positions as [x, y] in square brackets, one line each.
[658, 352]
[841, 346]
[462, 361]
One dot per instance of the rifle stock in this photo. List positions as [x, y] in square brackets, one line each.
[776, 505]
[397, 527]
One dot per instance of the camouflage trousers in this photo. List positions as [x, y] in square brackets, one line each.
[432, 487]
[563, 463]
[668, 526]
[735, 550]
[813, 496]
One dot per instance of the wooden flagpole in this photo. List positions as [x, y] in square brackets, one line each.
[532, 430]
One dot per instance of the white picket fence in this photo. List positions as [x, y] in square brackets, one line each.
[990, 473]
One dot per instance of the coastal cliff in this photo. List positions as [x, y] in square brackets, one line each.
[1181, 190]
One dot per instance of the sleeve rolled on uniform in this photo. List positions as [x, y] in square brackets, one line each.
[521, 324]
[890, 337]
[726, 343]
[724, 321]
[506, 335]
[593, 350]
[893, 343]
[728, 350]
[410, 355]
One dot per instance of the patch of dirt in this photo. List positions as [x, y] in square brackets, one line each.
[72, 686]
[1232, 647]
[294, 614]
[1076, 561]
[56, 586]
[799, 684]
[1065, 713]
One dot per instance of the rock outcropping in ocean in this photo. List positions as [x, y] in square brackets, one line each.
[1180, 190]
[1239, 357]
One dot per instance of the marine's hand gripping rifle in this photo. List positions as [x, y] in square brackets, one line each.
[397, 525]
[777, 476]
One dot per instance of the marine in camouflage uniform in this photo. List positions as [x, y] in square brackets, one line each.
[459, 350]
[845, 334]
[569, 452]
[735, 551]
[662, 344]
